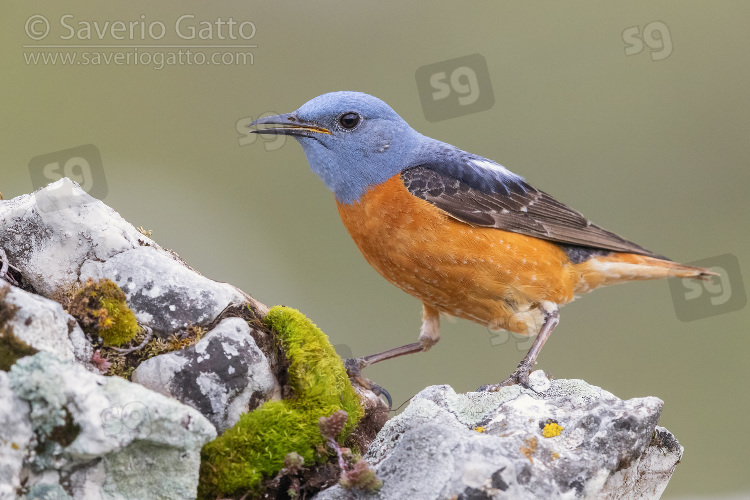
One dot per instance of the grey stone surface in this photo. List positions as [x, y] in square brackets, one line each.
[59, 236]
[493, 446]
[649, 475]
[223, 375]
[98, 437]
[162, 292]
[50, 233]
[15, 436]
[43, 324]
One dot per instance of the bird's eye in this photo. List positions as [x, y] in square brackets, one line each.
[349, 120]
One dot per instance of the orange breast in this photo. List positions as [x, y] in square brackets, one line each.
[481, 274]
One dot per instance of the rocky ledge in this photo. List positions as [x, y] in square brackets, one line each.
[124, 373]
[558, 439]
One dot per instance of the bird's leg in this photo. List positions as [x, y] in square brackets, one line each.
[521, 374]
[429, 335]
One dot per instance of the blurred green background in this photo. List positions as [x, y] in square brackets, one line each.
[654, 148]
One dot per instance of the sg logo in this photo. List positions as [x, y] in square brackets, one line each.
[270, 142]
[82, 164]
[655, 36]
[132, 418]
[500, 337]
[725, 293]
[456, 87]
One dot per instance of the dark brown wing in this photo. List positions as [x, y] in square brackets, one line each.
[510, 205]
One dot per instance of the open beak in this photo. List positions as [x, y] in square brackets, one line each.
[288, 124]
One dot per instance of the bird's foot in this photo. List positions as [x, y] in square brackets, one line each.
[354, 367]
[520, 376]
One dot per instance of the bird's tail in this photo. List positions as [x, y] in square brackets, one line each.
[622, 267]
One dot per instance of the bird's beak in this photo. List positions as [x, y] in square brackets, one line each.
[289, 125]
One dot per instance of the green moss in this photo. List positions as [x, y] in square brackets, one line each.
[254, 449]
[101, 309]
[11, 347]
[122, 325]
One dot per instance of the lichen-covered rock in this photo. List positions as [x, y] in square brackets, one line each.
[100, 437]
[43, 324]
[59, 236]
[15, 436]
[223, 376]
[50, 233]
[162, 292]
[648, 476]
[561, 439]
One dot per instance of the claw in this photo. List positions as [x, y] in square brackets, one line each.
[381, 391]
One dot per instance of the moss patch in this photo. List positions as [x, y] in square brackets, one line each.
[11, 347]
[254, 449]
[101, 309]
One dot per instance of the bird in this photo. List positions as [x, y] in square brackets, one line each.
[460, 232]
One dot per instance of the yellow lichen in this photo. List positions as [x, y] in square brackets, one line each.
[530, 448]
[480, 428]
[552, 429]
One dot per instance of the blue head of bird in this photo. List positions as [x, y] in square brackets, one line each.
[352, 141]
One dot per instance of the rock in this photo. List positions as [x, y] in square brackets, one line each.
[52, 232]
[15, 436]
[223, 376]
[163, 293]
[98, 437]
[570, 440]
[59, 236]
[43, 324]
[648, 477]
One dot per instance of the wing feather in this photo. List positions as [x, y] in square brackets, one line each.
[505, 201]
